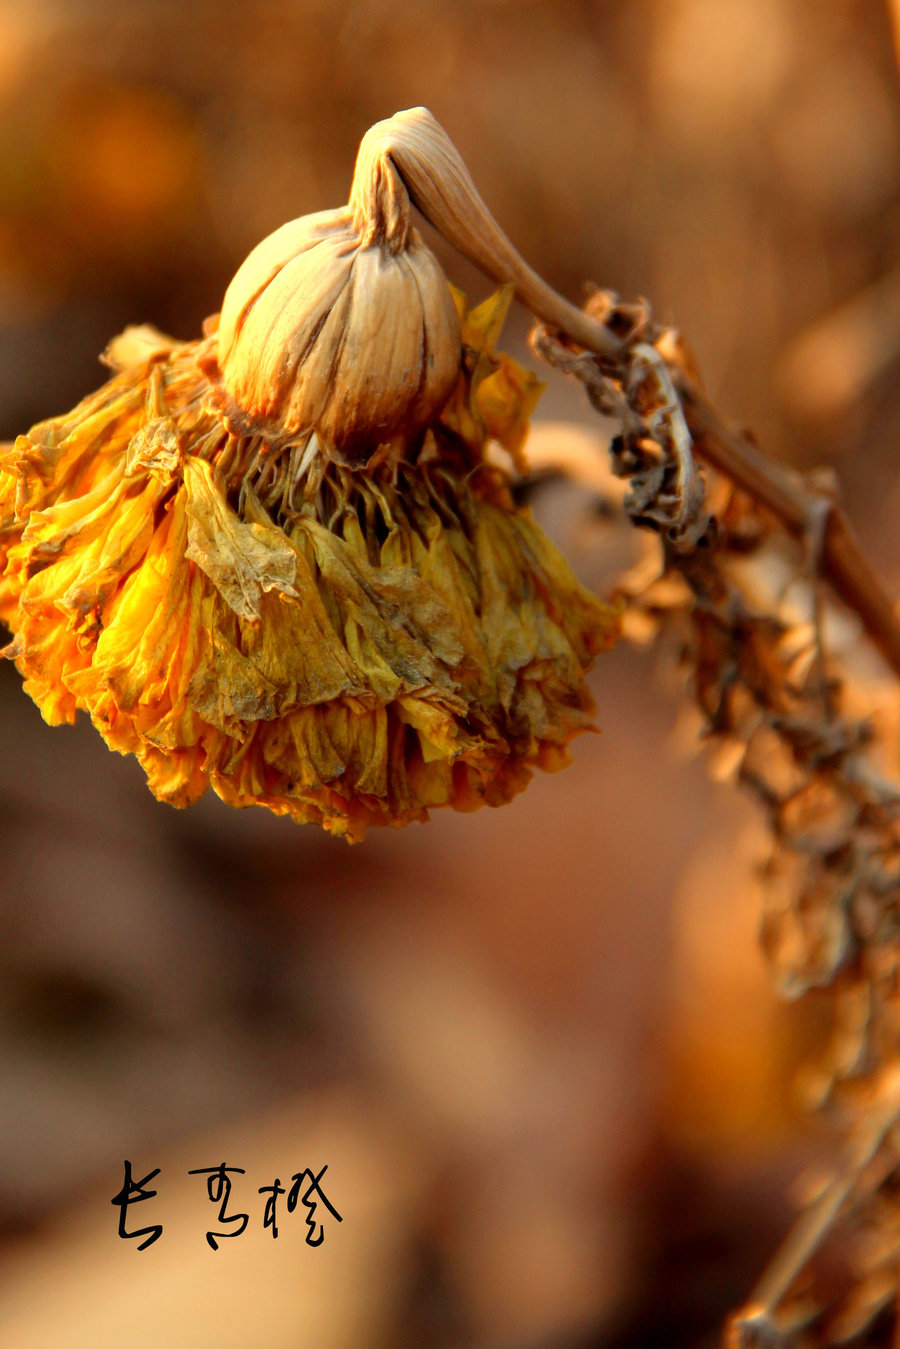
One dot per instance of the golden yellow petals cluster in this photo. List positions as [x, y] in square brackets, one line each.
[347, 621]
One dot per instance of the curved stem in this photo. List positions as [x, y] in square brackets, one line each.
[440, 186]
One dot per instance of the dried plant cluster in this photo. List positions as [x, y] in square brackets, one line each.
[280, 561]
[277, 561]
[803, 714]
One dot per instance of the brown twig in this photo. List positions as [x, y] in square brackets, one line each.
[792, 501]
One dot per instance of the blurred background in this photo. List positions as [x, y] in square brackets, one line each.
[536, 1047]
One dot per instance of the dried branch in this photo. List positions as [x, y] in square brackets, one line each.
[733, 582]
[788, 497]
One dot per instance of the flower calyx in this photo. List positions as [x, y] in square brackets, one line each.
[340, 323]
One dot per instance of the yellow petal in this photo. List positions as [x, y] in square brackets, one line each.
[241, 560]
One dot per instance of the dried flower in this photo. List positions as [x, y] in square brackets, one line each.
[277, 562]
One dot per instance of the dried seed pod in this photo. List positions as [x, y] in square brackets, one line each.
[343, 323]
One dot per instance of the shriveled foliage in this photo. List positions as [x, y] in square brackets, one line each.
[789, 649]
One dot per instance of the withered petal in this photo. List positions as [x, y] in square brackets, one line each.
[344, 646]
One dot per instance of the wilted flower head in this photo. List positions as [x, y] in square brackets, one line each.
[277, 561]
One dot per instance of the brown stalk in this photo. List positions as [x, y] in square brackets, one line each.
[785, 494]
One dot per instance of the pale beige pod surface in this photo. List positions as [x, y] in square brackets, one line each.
[340, 323]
